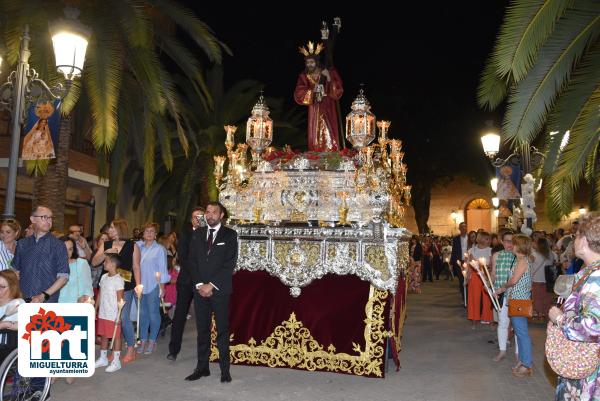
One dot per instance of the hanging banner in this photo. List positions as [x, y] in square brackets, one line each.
[41, 131]
[509, 181]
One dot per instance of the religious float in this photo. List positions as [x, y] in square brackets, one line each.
[320, 280]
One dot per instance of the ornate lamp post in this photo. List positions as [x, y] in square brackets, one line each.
[70, 39]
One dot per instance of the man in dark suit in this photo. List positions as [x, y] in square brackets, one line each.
[185, 287]
[459, 247]
[213, 256]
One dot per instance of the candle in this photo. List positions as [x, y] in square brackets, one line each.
[120, 305]
[230, 140]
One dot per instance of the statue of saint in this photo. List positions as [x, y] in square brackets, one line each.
[319, 88]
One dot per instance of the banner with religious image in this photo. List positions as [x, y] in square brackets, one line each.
[41, 131]
[509, 181]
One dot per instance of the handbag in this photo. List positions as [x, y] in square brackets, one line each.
[520, 308]
[571, 359]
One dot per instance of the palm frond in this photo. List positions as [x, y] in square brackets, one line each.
[134, 22]
[526, 26]
[145, 66]
[584, 81]
[173, 104]
[491, 90]
[149, 149]
[532, 98]
[102, 77]
[584, 139]
[559, 198]
[165, 143]
[200, 33]
[186, 61]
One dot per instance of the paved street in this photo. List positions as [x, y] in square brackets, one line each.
[442, 359]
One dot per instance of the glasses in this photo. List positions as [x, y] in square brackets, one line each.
[75, 232]
[44, 217]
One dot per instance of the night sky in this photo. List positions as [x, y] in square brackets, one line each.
[420, 65]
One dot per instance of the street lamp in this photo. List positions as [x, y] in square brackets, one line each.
[495, 202]
[491, 144]
[582, 210]
[70, 39]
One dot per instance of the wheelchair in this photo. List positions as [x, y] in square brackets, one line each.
[13, 386]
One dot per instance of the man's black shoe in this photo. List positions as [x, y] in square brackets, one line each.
[225, 378]
[172, 357]
[198, 374]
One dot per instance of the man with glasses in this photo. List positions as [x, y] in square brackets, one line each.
[41, 260]
[502, 263]
[83, 248]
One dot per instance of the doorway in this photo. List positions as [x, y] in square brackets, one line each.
[479, 215]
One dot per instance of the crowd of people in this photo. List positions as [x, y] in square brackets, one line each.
[119, 271]
[504, 280]
[510, 269]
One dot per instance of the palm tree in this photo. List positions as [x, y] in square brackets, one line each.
[128, 76]
[546, 65]
[191, 180]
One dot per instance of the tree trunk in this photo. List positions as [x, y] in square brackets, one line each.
[51, 189]
[421, 198]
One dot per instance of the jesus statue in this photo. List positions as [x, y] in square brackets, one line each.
[319, 88]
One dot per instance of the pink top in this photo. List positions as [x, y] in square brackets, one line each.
[171, 289]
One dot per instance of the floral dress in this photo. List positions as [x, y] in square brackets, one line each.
[582, 323]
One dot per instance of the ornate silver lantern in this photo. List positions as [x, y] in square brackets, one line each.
[259, 128]
[360, 123]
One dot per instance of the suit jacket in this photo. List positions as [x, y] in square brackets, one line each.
[456, 251]
[217, 265]
[183, 246]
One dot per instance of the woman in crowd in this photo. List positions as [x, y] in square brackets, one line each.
[9, 232]
[10, 299]
[518, 287]
[416, 254]
[129, 252]
[79, 287]
[479, 304]
[97, 270]
[579, 318]
[542, 257]
[154, 275]
[471, 239]
[172, 244]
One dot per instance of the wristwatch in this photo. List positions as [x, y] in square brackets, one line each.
[46, 295]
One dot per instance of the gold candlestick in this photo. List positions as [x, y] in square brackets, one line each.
[230, 140]
[218, 173]
[343, 209]
[383, 129]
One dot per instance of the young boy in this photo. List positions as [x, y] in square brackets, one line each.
[107, 309]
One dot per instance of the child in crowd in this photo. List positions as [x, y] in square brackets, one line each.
[171, 287]
[107, 308]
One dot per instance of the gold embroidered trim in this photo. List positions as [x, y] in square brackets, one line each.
[292, 345]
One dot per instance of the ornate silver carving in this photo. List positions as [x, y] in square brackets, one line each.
[340, 251]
